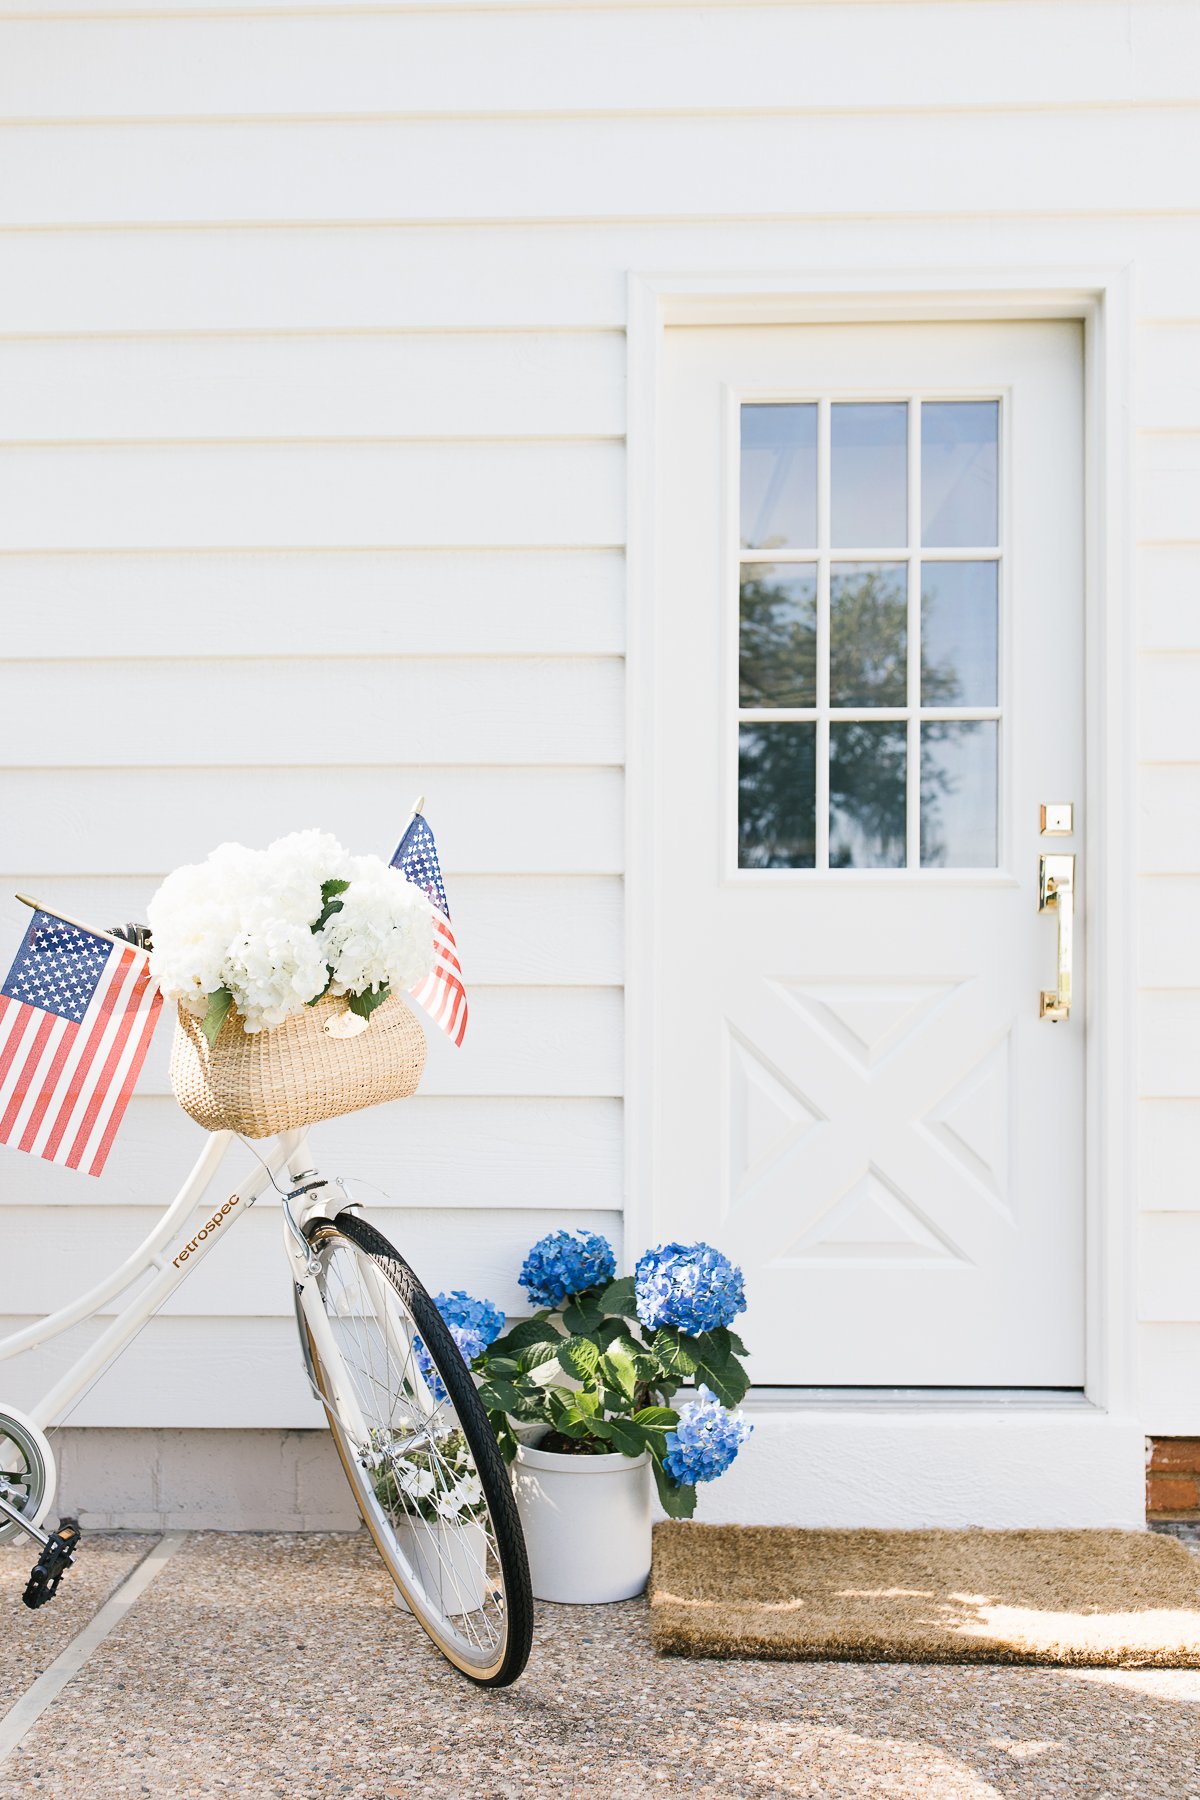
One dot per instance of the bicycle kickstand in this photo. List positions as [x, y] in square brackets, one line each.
[58, 1553]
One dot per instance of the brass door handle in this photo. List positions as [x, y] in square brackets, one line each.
[1056, 893]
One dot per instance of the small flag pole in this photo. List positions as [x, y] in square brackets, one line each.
[418, 808]
[93, 930]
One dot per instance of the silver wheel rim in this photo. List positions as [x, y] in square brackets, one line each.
[416, 1476]
[22, 1473]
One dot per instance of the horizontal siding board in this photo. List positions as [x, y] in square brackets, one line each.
[520, 930]
[296, 495]
[1168, 1140]
[384, 602]
[1168, 475]
[180, 1372]
[1169, 1042]
[488, 821]
[550, 384]
[1169, 1378]
[572, 277]
[1169, 707]
[572, 168]
[456, 1153]
[1167, 390]
[1168, 596]
[593, 60]
[1168, 1258]
[529, 1041]
[1169, 820]
[54, 1253]
[1168, 911]
[387, 709]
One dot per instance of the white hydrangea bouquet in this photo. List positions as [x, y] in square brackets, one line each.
[282, 947]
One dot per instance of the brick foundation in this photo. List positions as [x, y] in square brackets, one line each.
[1173, 1478]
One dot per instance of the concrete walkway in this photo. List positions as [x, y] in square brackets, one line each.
[279, 1666]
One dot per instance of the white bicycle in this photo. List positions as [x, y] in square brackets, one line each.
[411, 1433]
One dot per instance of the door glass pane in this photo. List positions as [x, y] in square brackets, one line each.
[867, 795]
[779, 477]
[868, 634]
[959, 495]
[958, 633]
[777, 789]
[869, 475]
[958, 794]
[778, 637]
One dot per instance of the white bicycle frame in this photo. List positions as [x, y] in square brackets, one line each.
[172, 1256]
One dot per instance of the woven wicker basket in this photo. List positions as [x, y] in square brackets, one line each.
[295, 1075]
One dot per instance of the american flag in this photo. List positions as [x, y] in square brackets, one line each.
[442, 993]
[77, 1013]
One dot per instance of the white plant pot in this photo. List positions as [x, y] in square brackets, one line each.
[450, 1561]
[587, 1524]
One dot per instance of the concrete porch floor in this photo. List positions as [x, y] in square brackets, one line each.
[278, 1666]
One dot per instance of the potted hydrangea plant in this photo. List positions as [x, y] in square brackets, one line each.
[583, 1398]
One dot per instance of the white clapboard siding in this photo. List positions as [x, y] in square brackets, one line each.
[322, 385]
[1169, 1356]
[1169, 819]
[1168, 583]
[493, 821]
[474, 710]
[1168, 939]
[512, 930]
[387, 277]
[1168, 1139]
[381, 602]
[553, 1155]
[1168, 387]
[1169, 1042]
[1169, 705]
[572, 167]
[298, 494]
[592, 60]
[1169, 487]
[1168, 1257]
[224, 1372]
[52, 1255]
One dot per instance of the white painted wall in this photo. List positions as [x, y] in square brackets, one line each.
[311, 496]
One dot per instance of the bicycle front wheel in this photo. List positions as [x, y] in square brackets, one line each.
[419, 1452]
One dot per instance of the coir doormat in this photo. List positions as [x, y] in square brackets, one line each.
[1124, 1599]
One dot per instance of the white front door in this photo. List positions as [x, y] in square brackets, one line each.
[868, 681]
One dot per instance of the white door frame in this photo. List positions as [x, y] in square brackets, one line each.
[1100, 298]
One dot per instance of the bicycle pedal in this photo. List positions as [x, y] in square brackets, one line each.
[53, 1563]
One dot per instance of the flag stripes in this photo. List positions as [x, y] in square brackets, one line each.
[442, 993]
[68, 1069]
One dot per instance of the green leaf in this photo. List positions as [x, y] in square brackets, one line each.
[536, 1330]
[616, 1366]
[364, 1004]
[736, 1344]
[500, 1396]
[329, 903]
[728, 1383]
[617, 1297]
[609, 1332]
[536, 1356]
[677, 1502]
[497, 1365]
[584, 1312]
[656, 1418]
[627, 1437]
[579, 1357]
[675, 1352]
[219, 1004]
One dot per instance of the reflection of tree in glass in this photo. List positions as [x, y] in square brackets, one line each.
[777, 796]
[777, 770]
[940, 686]
[778, 661]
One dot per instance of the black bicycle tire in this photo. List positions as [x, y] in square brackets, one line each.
[490, 1466]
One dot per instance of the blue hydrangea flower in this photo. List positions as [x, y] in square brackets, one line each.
[473, 1324]
[691, 1286]
[705, 1441]
[564, 1263]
